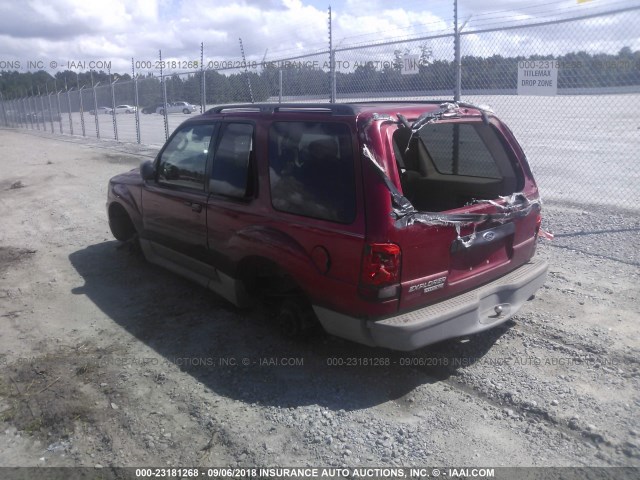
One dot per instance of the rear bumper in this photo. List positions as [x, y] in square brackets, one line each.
[465, 314]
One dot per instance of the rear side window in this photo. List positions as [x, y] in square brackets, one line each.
[231, 164]
[311, 170]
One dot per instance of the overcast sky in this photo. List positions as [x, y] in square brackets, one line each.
[116, 30]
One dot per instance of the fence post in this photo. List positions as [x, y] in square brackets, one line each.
[135, 99]
[164, 98]
[8, 104]
[280, 86]
[15, 107]
[456, 54]
[113, 106]
[59, 110]
[246, 70]
[24, 111]
[84, 133]
[203, 91]
[44, 120]
[7, 118]
[28, 115]
[69, 104]
[12, 105]
[332, 63]
[21, 112]
[34, 110]
[95, 105]
[50, 107]
[41, 107]
[81, 105]
[4, 113]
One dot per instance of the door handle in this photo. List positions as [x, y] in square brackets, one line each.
[196, 207]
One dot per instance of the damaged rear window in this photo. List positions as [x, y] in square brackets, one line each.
[446, 165]
[457, 149]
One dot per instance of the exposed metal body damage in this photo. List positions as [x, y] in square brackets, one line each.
[507, 208]
[405, 214]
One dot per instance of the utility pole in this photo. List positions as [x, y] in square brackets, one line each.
[332, 62]
[456, 54]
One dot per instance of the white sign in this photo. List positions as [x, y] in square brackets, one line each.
[538, 77]
[410, 64]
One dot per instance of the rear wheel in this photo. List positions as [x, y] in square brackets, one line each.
[296, 319]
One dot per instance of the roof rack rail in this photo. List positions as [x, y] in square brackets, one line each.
[428, 102]
[330, 108]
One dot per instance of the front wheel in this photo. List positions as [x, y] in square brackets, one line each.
[186, 110]
[161, 112]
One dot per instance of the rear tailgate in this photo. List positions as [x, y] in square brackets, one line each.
[473, 212]
[438, 262]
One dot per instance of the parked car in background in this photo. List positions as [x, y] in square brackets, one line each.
[152, 108]
[45, 116]
[125, 109]
[177, 107]
[101, 110]
[393, 224]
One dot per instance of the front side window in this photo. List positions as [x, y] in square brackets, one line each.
[184, 159]
[231, 175]
[311, 170]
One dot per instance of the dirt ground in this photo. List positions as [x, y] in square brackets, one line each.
[108, 360]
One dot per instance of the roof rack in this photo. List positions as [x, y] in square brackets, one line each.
[329, 108]
[346, 108]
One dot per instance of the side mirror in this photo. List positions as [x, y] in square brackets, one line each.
[147, 170]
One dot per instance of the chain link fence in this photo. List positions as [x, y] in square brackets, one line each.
[398, 70]
[580, 144]
[581, 136]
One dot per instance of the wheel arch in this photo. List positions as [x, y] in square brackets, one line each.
[120, 222]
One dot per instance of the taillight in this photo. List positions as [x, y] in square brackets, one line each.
[380, 273]
[540, 232]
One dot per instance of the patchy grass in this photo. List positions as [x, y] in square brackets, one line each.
[43, 396]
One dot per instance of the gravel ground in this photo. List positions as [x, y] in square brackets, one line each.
[107, 360]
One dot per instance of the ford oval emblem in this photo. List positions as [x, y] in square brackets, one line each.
[488, 236]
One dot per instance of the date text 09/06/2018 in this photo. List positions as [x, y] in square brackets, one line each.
[315, 472]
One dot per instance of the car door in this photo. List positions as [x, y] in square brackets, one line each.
[174, 205]
[232, 188]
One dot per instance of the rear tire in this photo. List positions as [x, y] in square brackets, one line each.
[161, 112]
[296, 319]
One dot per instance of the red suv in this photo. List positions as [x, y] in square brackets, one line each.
[394, 224]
